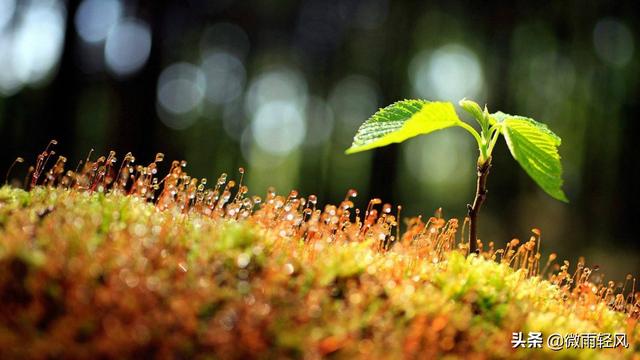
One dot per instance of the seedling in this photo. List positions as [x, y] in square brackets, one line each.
[531, 143]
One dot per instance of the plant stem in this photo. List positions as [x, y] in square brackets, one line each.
[472, 131]
[474, 210]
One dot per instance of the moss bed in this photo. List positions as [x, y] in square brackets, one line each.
[93, 274]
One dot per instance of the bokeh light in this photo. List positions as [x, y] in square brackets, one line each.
[9, 82]
[95, 18]
[128, 46]
[225, 76]
[613, 42]
[278, 84]
[275, 103]
[278, 127]
[181, 89]
[32, 49]
[451, 72]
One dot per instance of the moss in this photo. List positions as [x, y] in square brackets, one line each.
[108, 275]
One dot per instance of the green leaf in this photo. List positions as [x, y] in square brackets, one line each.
[500, 116]
[535, 147]
[403, 120]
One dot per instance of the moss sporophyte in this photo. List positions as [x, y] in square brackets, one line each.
[532, 144]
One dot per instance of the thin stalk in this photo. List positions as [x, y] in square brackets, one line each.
[495, 131]
[16, 161]
[472, 131]
[474, 210]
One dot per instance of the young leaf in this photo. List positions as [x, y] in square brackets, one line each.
[472, 108]
[402, 120]
[535, 147]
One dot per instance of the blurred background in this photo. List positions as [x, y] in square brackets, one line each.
[280, 87]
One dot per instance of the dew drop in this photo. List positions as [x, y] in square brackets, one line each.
[288, 268]
[222, 179]
[243, 260]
